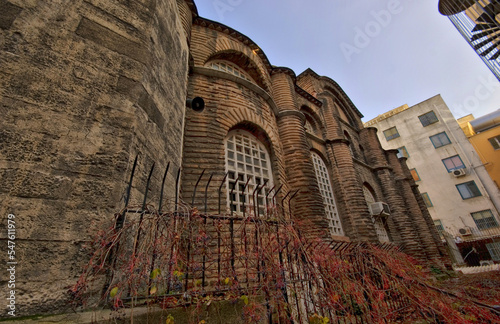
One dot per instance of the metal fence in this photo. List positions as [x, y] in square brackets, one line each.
[187, 256]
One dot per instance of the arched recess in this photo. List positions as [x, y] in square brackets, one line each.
[313, 123]
[343, 107]
[345, 115]
[351, 144]
[326, 190]
[243, 62]
[248, 166]
[378, 222]
[362, 153]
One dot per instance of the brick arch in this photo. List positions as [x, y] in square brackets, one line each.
[246, 119]
[316, 118]
[322, 156]
[245, 116]
[332, 124]
[371, 190]
[244, 62]
[344, 103]
[225, 44]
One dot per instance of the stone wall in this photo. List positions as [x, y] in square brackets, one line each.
[85, 86]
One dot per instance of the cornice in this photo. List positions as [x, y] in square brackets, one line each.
[285, 70]
[213, 25]
[336, 87]
[297, 113]
[192, 7]
[307, 96]
[337, 140]
[250, 85]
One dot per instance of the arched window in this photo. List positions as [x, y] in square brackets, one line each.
[348, 137]
[228, 67]
[325, 187]
[309, 127]
[247, 159]
[362, 152]
[378, 222]
[343, 116]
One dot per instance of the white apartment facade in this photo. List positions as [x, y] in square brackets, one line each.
[460, 195]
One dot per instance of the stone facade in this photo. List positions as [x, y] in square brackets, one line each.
[86, 86]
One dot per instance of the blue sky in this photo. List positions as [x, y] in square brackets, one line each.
[382, 53]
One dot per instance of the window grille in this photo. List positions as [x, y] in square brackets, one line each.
[325, 188]
[484, 219]
[494, 250]
[247, 159]
[377, 222]
[231, 68]
[428, 118]
[440, 139]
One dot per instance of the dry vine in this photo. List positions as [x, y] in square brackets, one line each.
[191, 259]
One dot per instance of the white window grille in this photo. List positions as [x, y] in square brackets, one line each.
[378, 222]
[231, 68]
[247, 160]
[326, 191]
[494, 250]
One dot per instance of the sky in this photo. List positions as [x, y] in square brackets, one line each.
[382, 53]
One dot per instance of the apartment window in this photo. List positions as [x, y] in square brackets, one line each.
[494, 250]
[484, 219]
[439, 225]
[468, 190]
[427, 200]
[326, 191]
[415, 175]
[495, 142]
[428, 118]
[440, 139]
[246, 160]
[453, 163]
[391, 133]
[403, 152]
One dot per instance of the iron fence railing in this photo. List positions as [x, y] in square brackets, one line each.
[187, 255]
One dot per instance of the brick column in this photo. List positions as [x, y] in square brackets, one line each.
[425, 228]
[400, 224]
[355, 215]
[308, 204]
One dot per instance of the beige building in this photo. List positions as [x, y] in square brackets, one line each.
[460, 195]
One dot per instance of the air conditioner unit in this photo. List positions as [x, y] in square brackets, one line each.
[379, 209]
[459, 172]
[465, 231]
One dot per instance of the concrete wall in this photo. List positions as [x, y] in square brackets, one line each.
[85, 87]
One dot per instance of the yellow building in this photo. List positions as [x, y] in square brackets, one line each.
[484, 134]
